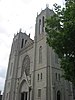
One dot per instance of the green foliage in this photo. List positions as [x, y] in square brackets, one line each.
[60, 30]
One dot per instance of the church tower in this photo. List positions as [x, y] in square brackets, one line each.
[19, 73]
[42, 87]
[47, 81]
[42, 71]
[9, 90]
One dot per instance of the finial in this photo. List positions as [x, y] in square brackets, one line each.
[17, 32]
[0, 92]
[14, 35]
[47, 5]
[37, 13]
[20, 30]
[41, 9]
[25, 32]
[29, 34]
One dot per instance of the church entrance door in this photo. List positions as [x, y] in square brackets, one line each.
[58, 95]
[24, 96]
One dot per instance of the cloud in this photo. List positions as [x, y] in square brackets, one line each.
[3, 72]
[26, 1]
[2, 81]
[2, 30]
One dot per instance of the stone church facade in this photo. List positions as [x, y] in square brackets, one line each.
[34, 71]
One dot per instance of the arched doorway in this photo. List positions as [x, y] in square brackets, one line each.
[24, 96]
[58, 95]
[23, 91]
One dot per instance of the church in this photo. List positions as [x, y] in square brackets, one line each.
[34, 71]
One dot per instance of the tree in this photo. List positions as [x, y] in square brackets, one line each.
[60, 30]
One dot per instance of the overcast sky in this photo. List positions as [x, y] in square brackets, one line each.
[16, 14]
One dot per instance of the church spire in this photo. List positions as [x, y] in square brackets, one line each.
[47, 5]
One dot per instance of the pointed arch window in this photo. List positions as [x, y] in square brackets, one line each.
[39, 26]
[40, 54]
[43, 21]
[7, 96]
[41, 76]
[39, 93]
[56, 75]
[59, 77]
[38, 77]
[26, 65]
[22, 43]
[58, 95]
